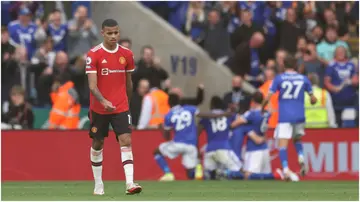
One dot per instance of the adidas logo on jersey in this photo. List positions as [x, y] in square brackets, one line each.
[104, 61]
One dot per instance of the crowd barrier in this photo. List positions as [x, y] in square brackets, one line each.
[332, 154]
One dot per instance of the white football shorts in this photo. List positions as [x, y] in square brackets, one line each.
[289, 130]
[188, 152]
[257, 161]
[221, 158]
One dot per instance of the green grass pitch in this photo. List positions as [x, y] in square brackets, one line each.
[185, 190]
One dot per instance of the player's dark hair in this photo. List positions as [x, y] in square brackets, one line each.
[216, 103]
[290, 62]
[109, 23]
[174, 99]
[258, 97]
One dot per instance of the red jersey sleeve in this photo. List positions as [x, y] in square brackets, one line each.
[91, 62]
[130, 67]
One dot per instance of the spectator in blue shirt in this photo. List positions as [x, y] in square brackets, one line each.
[281, 9]
[23, 32]
[177, 16]
[195, 20]
[341, 79]
[257, 10]
[58, 31]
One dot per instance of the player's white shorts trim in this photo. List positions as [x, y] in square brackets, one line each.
[188, 152]
[289, 130]
[223, 158]
[257, 161]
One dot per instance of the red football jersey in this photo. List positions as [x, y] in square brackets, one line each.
[110, 66]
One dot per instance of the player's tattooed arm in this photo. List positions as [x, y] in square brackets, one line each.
[129, 85]
[92, 78]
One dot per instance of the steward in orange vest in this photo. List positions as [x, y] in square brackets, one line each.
[154, 108]
[160, 107]
[66, 108]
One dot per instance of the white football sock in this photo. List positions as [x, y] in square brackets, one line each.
[128, 164]
[96, 157]
[301, 158]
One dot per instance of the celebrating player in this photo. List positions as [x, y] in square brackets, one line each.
[182, 120]
[292, 87]
[109, 67]
[257, 163]
[218, 149]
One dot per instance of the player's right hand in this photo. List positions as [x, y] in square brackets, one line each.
[313, 100]
[108, 105]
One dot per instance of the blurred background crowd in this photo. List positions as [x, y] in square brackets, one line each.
[44, 46]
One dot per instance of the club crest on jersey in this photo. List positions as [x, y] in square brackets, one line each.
[94, 129]
[122, 60]
[88, 60]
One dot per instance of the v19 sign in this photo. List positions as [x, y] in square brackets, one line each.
[184, 65]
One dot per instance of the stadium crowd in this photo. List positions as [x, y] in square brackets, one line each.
[42, 52]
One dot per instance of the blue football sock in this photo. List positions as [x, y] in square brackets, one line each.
[299, 149]
[160, 160]
[283, 157]
[261, 176]
[190, 173]
[235, 175]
